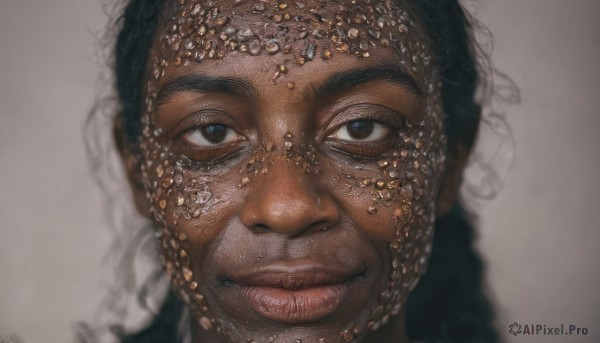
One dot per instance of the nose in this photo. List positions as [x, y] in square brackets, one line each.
[288, 202]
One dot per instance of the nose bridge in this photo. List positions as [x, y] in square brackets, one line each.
[286, 180]
[286, 200]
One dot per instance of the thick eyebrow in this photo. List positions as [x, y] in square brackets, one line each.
[204, 83]
[348, 79]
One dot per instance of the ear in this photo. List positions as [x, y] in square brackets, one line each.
[131, 163]
[452, 178]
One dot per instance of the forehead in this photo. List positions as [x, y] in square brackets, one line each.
[294, 32]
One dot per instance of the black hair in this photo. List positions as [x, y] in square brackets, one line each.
[449, 303]
[134, 41]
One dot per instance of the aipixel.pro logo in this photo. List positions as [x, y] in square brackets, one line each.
[546, 330]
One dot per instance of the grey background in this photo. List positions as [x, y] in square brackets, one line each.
[540, 236]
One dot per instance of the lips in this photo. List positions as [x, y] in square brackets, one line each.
[294, 293]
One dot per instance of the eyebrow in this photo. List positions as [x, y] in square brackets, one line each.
[204, 83]
[346, 80]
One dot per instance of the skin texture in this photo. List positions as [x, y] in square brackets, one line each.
[289, 228]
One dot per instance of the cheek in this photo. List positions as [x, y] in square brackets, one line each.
[387, 195]
[395, 214]
[190, 208]
[392, 202]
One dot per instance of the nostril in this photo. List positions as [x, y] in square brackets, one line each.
[321, 226]
[261, 227]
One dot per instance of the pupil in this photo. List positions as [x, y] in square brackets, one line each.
[214, 133]
[360, 129]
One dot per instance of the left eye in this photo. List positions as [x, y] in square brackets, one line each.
[210, 135]
[362, 130]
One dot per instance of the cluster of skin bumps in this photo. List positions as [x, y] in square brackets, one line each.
[205, 30]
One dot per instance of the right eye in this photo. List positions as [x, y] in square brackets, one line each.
[210, 135]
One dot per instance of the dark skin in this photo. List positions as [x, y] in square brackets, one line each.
[281, 220]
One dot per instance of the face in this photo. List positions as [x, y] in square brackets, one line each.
[291, 156]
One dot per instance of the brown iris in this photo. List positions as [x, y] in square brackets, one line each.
[214, 133]
[360, 129]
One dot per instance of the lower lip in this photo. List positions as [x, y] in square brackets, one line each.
[296, 305]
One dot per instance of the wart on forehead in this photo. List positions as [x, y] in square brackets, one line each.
[301, 30]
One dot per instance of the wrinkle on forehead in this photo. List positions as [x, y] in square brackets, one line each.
[301, 31]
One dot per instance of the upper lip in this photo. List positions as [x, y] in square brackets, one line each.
[292, 276]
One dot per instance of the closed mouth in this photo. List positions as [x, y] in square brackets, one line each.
[297, 294]
[296, 305]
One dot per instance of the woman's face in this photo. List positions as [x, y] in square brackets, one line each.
[290, 155]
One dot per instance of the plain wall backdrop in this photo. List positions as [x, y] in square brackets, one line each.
[540, 236]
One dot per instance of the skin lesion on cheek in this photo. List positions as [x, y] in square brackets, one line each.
[402, 187]
[175, 194]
